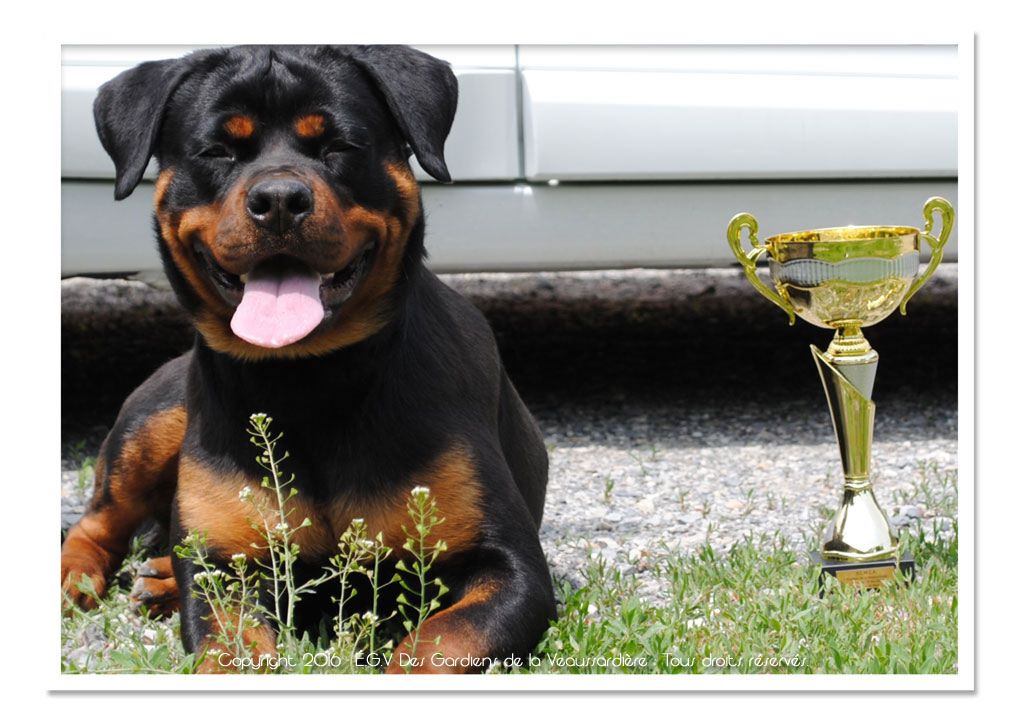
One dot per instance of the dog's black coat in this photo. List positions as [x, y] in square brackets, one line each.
[403, 373]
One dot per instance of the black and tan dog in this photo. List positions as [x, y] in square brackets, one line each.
[291, 229]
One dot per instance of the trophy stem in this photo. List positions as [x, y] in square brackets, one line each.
[849, 346]
[860, 530]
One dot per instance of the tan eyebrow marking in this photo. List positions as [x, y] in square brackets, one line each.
[240, 126]
[310, 126]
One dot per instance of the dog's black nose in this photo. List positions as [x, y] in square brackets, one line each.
[279, 204]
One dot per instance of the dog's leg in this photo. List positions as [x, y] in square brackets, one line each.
[505, 602]
[499, 618]
[135, 478]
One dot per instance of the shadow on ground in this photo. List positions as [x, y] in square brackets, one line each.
[590, 342]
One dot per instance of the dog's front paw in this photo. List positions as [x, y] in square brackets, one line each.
[155, 588]
[83, 571]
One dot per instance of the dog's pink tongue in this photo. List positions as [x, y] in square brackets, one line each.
[278, 307]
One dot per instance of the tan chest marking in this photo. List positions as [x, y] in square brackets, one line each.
[454, 485]
[213, 504]
[210, 503]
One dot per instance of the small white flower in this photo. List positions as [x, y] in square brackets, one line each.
[239, 558]
[357, 521]
[421, 490]
[371, 617]
[245, 493]
[282, 527]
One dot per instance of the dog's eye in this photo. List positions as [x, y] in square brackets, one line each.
[339, 146]
[216, 151]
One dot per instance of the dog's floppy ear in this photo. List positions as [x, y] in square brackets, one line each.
[421, 92]
[128, 112]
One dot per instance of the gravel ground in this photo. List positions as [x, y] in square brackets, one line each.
[677, 405]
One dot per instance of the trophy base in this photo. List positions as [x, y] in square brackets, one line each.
[863, 574]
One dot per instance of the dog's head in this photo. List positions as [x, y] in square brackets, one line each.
[287, 213]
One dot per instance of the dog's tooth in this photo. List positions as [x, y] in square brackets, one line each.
[244, 278]
[326, 278]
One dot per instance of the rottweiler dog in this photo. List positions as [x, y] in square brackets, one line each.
[292, 231]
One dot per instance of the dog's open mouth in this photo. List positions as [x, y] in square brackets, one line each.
[282, 300]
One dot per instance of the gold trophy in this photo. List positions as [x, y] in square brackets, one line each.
[845, 279]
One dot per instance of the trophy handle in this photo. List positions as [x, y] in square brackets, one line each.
[749, 259]
[945, 209]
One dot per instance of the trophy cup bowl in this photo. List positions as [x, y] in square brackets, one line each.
[845, 279]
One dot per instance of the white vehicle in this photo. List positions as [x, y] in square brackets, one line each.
[590, 157]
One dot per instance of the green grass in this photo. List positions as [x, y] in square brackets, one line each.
[752, 609]
[756, 609]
